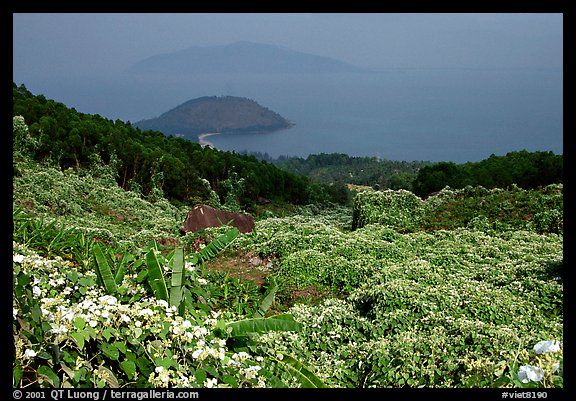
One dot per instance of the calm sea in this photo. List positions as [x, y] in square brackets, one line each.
[455, 115]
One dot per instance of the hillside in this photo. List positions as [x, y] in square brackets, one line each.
[147, 159]
[216, 114]
[463, 289]
[240, 57]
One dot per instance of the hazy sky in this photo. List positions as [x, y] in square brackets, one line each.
[45, 44]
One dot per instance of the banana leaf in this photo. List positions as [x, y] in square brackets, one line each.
[104, 271]
[219, 244]
[155, 276]
[177, 281]
[305, 376]
[122, 268]
[267, 301]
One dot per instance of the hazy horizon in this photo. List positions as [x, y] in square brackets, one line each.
[81, 60]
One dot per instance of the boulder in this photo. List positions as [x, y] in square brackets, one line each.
[262, 200]
[203, 216]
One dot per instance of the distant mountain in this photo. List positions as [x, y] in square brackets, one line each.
[240, 57]
[216, 114]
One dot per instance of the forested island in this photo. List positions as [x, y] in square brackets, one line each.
[216, 114]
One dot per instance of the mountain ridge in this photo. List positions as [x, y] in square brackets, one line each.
[240, 57]
[210, 114]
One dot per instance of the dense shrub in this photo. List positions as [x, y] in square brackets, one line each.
[476, 207]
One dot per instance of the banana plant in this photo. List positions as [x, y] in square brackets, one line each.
[175, 290]
[240, 332]
[287, 363]
[103, 270]
[215, 247]
[103, 260]
[155, 274]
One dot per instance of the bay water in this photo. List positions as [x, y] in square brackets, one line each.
[457, 115]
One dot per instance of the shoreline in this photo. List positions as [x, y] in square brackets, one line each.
[204, 142]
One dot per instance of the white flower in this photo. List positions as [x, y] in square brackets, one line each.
[29, 353]
[209, 383]
[162, 303]
[232, 362]
[59, 330]
[251, 372]
[48, 314]
[17, 258]
[547, 346]
[36, 291]
[159, 369]
[241, 356]
[146, 312]
[530, 373]
[202, 281]
[200, 331]
[200, 353]
[14, 313]
[108, 299]
[68, 315]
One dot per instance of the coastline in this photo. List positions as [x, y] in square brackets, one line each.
[204, 142]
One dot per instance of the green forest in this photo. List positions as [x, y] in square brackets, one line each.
[525, 169]
[360, 273]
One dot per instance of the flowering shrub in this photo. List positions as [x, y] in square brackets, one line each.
[439, 309]
[399, 209]
[474, 207]
[69, 332]
[93, 205]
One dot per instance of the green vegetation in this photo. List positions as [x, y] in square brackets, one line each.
[447, 308]
[338, 168]
[527, 170]
[475, 207]
[460, 289]
[524, 169]
[148, 162]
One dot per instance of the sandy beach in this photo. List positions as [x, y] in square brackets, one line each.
[204, 142]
